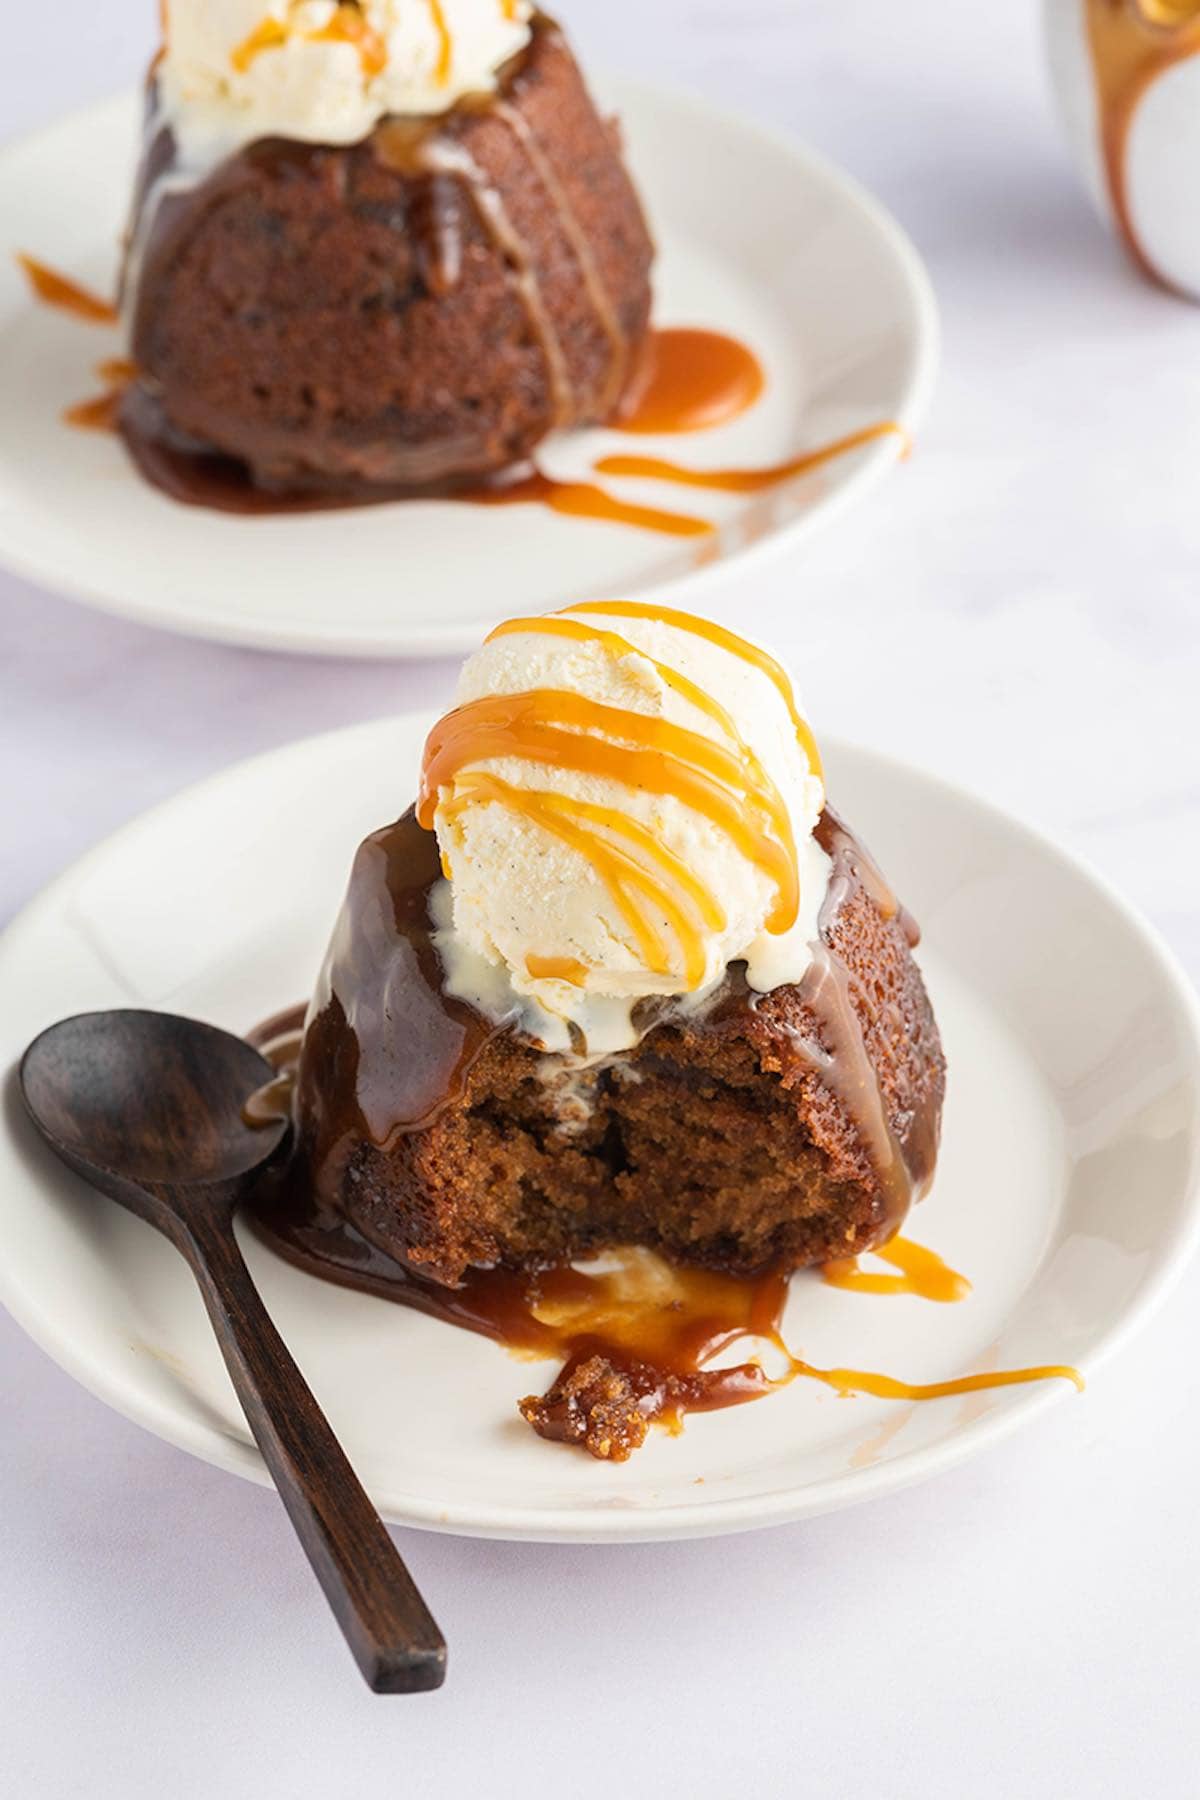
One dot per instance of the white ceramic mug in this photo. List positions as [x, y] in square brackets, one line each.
[1127, 77]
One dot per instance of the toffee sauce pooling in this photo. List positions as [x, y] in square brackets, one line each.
[633, 1340]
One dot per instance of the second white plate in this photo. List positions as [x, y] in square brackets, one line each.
[1066, 1188]
[756, 236]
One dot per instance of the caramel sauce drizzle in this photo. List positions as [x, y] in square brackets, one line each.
[690, 380]
[557, 968]
[102, 413]
[919, 1271]
[559, 730]
[668, 1322]
[68, 296]
[577, 237]
[556, 625]
[414, 147]
[748, 481]
[590, 501]
[117, 371]
[445, 61]
[618, 847]
[424, 152]
[724, 639]
[887, 1387]
[584, 826]
[1132, 43]
[585, 500]
[347, 26]
[272, 34]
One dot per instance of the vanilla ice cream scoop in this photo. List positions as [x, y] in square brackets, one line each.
[624, 799]
[323, 72]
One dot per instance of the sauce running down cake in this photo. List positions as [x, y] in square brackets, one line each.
[619, 1028]
[621, 978]
[377, 248]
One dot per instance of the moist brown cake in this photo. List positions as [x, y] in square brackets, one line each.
[413, 312]
[772, 1130]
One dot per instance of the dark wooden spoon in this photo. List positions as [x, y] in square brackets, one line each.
[148, 1108]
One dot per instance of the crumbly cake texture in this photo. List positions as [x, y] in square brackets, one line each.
[594, 1404]
[718, 1143]
[295, 312]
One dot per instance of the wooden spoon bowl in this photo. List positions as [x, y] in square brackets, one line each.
[150, 1109]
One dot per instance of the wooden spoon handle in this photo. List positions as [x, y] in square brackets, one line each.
[395, 1640]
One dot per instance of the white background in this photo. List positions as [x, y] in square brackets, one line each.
[1017, 605]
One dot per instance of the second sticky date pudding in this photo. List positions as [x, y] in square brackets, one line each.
[408, 314]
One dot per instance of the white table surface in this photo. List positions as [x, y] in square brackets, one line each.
[1017, 605]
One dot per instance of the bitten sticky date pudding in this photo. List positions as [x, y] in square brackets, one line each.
[620, 1026]
[761, 1130]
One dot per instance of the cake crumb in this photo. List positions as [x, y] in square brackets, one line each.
[593, 1404]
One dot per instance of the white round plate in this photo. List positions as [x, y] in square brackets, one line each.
[756, 236]
[1066, 1186]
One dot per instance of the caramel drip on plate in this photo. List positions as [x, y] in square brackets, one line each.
[919, 1271]
[590, 829]
[560, 730]
[1132, 43]
[887, 1387]
[347, 26]
[654, 1327]
[387, 1049]
[117, 371]
[577, 237]
[102, 413]
[590, 501]
[584, 500]
[690, 380]
[67, 295]
[727, 640]
[747, 481]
